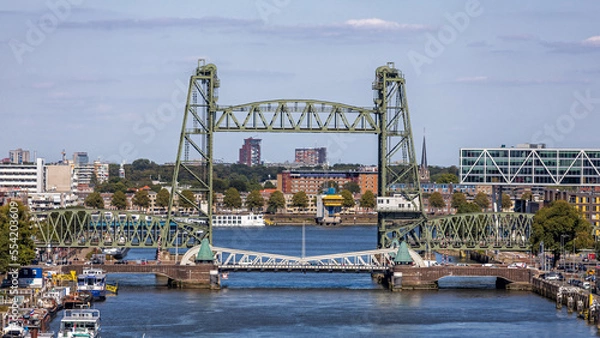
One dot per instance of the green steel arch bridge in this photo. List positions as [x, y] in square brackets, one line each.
[388, 120]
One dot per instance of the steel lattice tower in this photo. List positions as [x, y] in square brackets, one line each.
[194, 163]
[398, 168]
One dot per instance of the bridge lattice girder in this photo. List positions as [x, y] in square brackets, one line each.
[109, 228]
[497, 231]
[296, 116]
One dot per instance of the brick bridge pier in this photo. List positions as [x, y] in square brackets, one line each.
[200, 276]
[411, 278]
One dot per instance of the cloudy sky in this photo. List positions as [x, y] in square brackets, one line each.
[84, 75]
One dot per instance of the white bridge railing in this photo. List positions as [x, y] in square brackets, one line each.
[372, 260]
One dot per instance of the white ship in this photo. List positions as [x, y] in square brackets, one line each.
[238, 220]
[80, 323]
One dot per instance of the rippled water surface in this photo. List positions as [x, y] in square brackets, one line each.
[323, 304]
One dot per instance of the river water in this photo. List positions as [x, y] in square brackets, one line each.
[323, 304]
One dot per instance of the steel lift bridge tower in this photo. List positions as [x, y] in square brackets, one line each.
[388, 119]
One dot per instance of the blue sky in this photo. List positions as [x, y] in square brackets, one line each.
[85, 75]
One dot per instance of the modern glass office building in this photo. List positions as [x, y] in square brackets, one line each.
[530, 166]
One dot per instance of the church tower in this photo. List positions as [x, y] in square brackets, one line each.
[423, 170]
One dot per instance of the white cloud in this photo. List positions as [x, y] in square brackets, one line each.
[379, 24]
[593, 41]
[472, 79]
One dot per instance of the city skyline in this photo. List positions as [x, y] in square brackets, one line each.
[111, 77]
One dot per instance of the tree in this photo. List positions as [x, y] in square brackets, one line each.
[348, 199]
[219, 185]
[467, 208]
[187, 199]
[232, 198]
[458, 199]
[444, 178]
[482, 200]
[436, 200]
[506, 201]
[93, 180]
[120, 186]
[367, 200]
[239, 185]
[527, 196]
[254, 200]
[141, 199]
[560, 219]
[119, 200]
[352, 186]
[276, 201]
[269, 185]
[16, 233]
[300, 200]
[143, 164]
[162, 198]
[94, 200]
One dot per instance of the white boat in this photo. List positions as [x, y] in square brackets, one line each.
[238, 220]
[80, 323]
[117, 253]
[93, 280]
[14, 328]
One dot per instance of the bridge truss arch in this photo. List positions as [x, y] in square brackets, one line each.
[227, 259]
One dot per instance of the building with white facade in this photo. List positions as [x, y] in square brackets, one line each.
[27, 178]
[530, 165]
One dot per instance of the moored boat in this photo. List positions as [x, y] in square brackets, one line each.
[49, 303]
[14, 329]
[39, 318]
[93, 280]
[83, 323]
[77, 300]
[238, 220]
[116, 253]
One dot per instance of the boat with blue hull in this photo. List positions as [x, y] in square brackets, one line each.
[93, 280]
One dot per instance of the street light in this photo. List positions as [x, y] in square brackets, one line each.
[562, 248]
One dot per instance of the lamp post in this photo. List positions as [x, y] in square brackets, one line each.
[562, 248]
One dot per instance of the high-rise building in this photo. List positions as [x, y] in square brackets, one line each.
[250, 152]
[311, 156]
[59, 178]
[23, 177]
[81, 157]
[18, 156]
